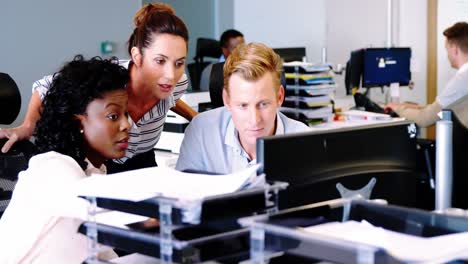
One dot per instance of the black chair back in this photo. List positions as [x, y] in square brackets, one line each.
[16, 159]
[10, 99]
[216, 85]
[460, 164]
[206, 48]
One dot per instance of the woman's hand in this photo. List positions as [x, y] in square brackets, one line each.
[15, 134]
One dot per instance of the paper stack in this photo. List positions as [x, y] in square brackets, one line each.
[364, 115]
[142, 184]
[308, 90]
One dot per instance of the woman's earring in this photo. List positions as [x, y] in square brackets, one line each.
[81, 131]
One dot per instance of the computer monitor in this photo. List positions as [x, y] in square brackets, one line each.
[291, 54]
[383, 66]
[314, 162]
[353, 72]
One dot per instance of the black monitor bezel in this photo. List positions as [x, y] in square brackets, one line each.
[289, 54]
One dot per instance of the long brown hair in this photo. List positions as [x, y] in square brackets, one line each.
[155, 18]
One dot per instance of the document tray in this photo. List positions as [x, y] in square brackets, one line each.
[213, 235]
[284, 232]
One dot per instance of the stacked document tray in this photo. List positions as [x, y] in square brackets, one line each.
[359, 231]
[183, 232]
[308, 92]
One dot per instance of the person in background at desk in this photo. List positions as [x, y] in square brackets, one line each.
[84, 121]
[455, 94]
[223, 140]
[229, 40]
[158, 49]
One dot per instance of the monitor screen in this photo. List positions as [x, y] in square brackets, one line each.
[383, 66]
[291, 54]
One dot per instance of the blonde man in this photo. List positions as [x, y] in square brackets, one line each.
[223, 140]
[455, 94]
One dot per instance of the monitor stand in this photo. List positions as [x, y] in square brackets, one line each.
[394, 93]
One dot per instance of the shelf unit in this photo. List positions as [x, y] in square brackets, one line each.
[309, 92]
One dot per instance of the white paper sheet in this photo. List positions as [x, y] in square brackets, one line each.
[405, 247]
[364, 115]
[118, 219]
[145, 183]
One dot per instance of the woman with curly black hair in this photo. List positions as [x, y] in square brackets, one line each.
[84, 122]
[158, 49]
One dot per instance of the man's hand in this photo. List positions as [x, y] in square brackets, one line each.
[393, 106]
[13, 135]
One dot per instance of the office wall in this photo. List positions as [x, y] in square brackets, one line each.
[363, 23]
[224, 16]
[449, 12]
[37, 37]
[412, 32]
[198, 17]
[349, 27]
[278, 24]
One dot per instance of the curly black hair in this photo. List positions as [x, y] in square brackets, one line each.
[77, 84]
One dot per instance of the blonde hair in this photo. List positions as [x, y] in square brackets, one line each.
[252, 61]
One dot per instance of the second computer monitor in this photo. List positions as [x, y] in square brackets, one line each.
[291, 54]
[383, 66]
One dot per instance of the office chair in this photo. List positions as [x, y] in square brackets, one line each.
[16, 159]
[205, 77]
[217, 83]
[206, 48]
[460, 165]
[10, 99]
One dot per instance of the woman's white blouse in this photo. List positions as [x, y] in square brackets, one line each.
[40, 224]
